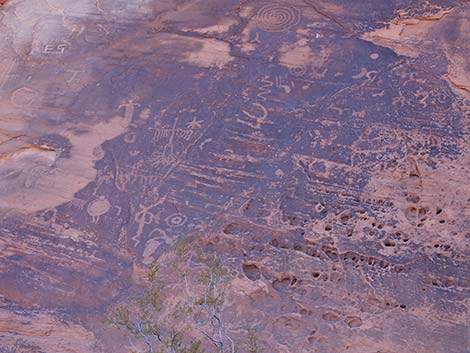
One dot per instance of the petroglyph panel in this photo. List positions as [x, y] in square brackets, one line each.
[320, 149]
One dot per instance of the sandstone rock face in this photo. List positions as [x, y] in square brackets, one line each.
[321, 149]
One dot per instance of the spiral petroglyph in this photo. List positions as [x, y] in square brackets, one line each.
[277, 17]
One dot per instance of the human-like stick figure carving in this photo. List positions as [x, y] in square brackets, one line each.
[169, 155]
[129, 108]
[143, 217]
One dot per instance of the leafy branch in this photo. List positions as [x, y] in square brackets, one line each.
[154, 323]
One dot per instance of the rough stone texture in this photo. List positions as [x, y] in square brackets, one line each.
[321, 147]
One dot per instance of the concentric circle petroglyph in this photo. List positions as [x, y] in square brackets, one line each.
[176, 220]
[277, 17]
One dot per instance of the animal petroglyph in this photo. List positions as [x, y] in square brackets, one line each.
[98, 207]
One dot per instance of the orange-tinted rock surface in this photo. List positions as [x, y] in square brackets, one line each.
[320, 147]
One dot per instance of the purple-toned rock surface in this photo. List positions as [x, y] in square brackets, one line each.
[320, 149]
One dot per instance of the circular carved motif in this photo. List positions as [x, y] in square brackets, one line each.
[176, 220]
[98, 207]
[277, 17]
